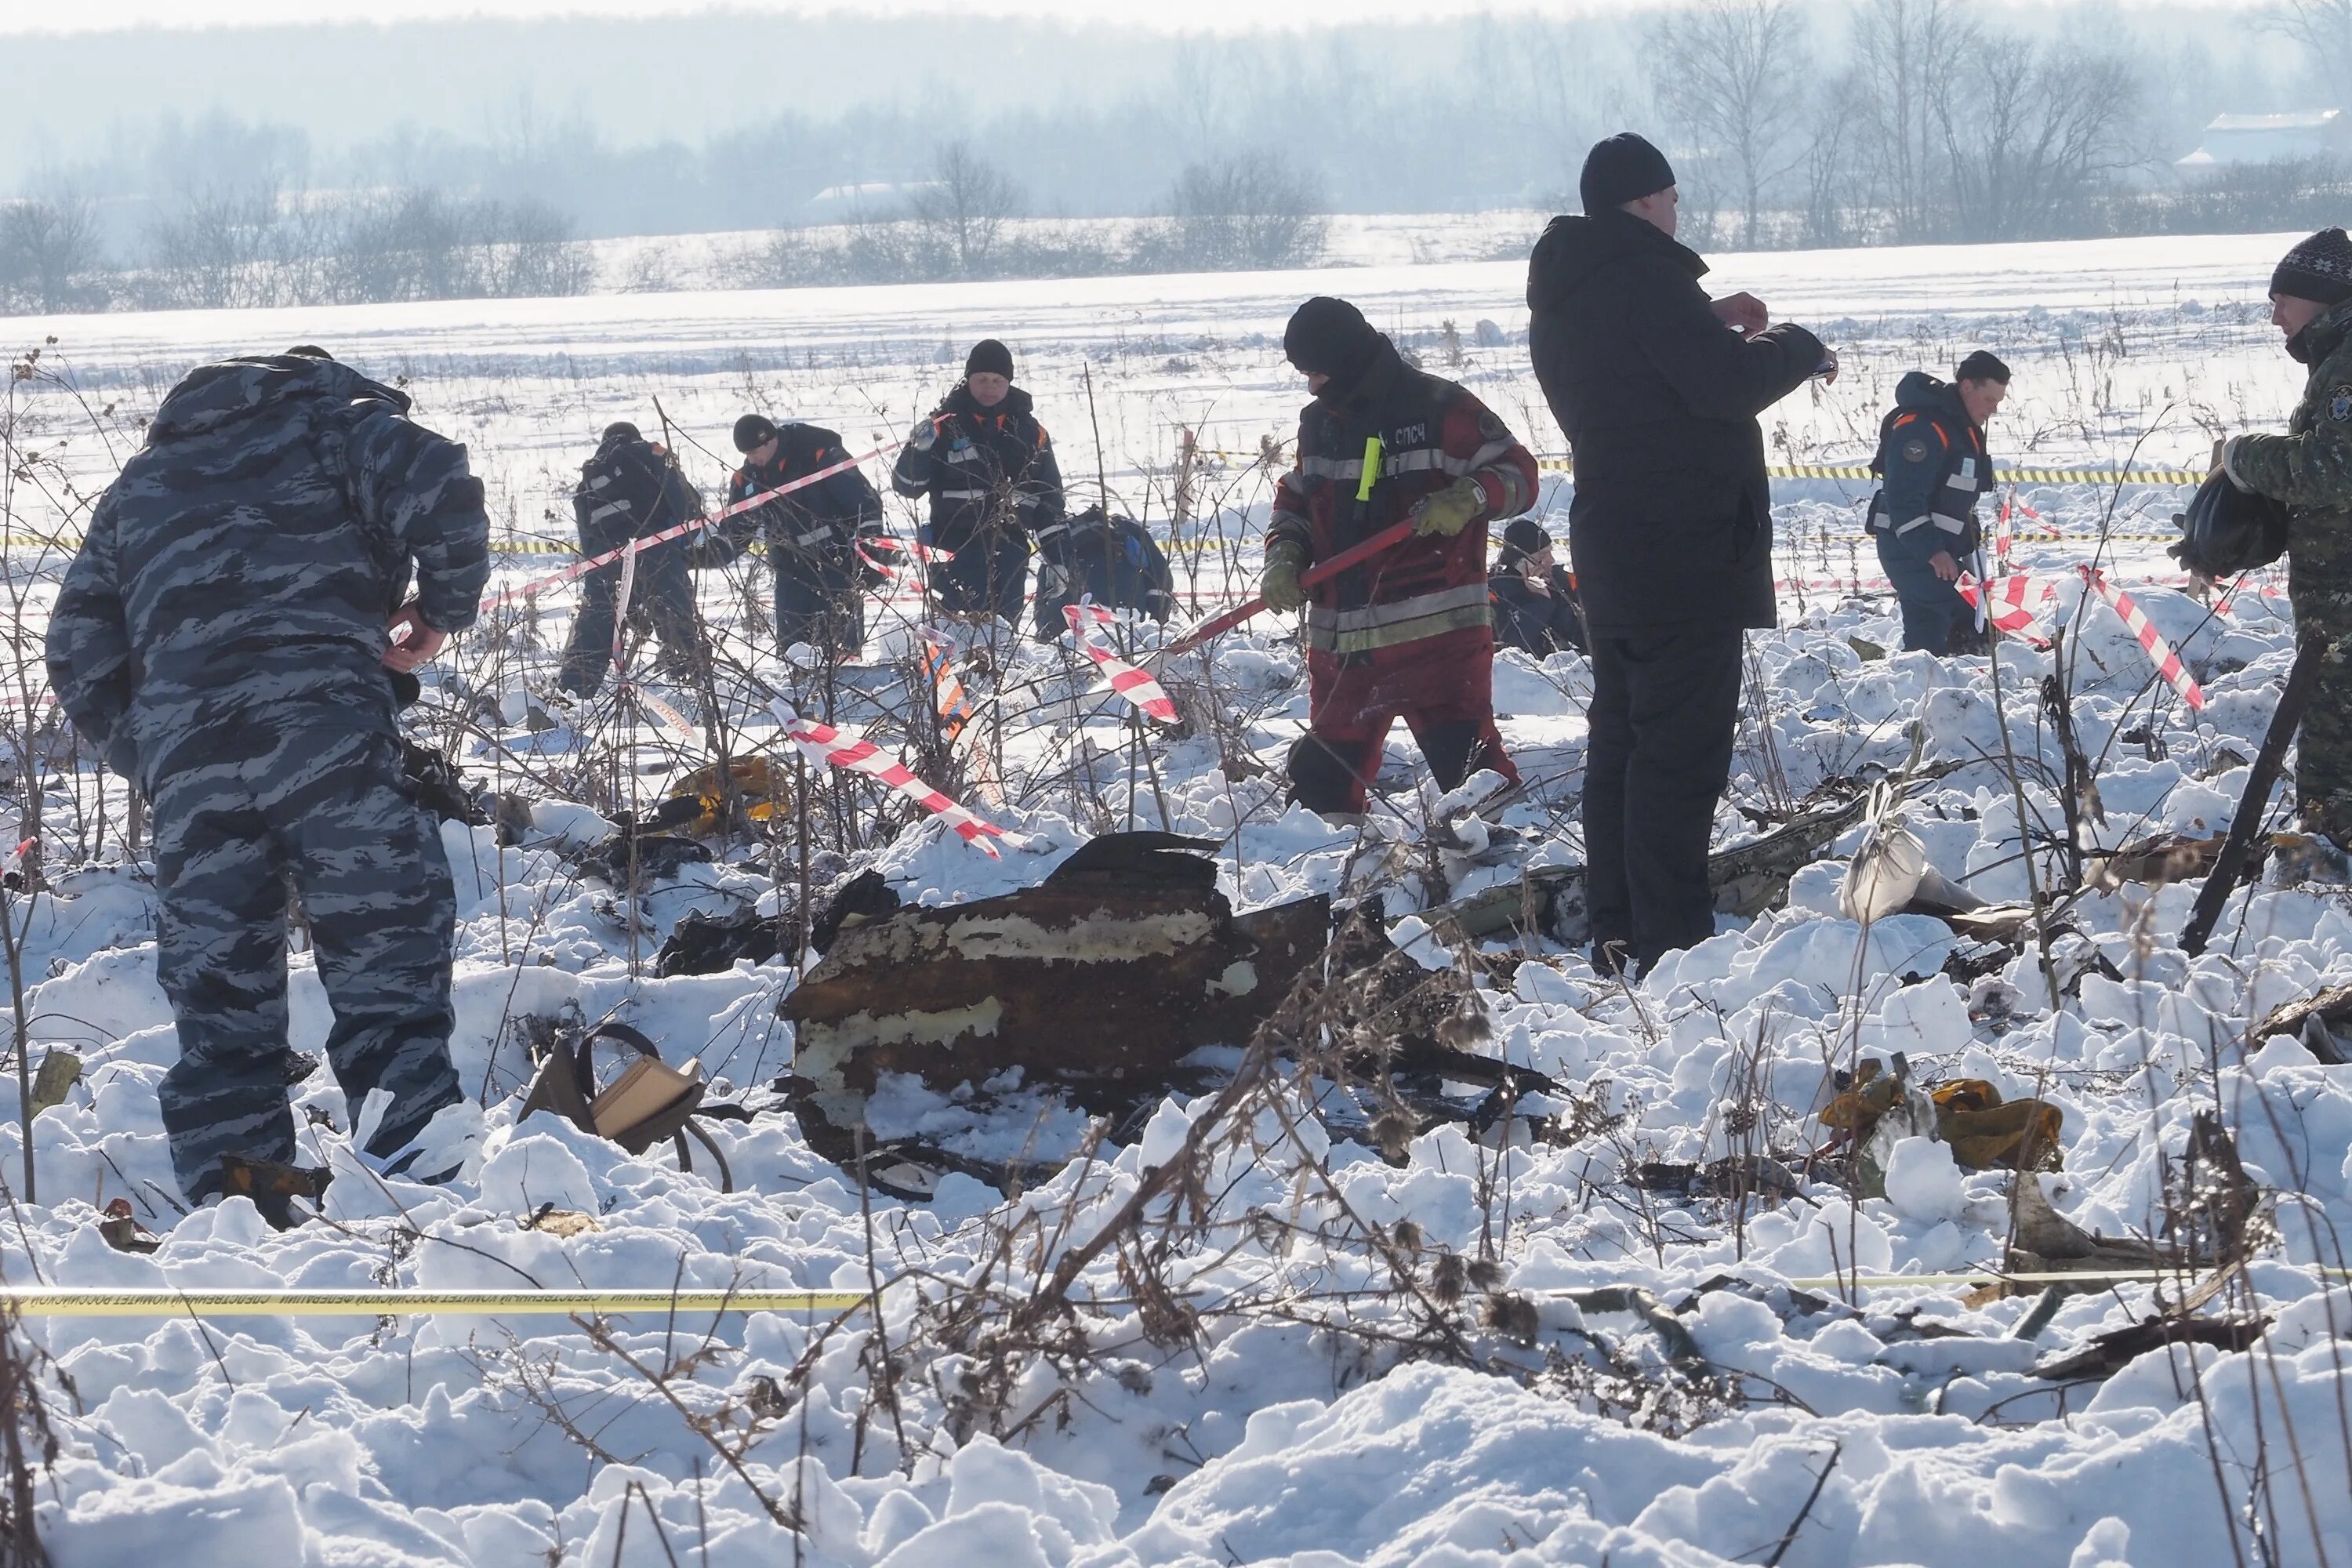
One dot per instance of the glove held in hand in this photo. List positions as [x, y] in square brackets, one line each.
[1279, 586]
[1448, 511]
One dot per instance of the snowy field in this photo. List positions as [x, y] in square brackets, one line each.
[1331, 1346]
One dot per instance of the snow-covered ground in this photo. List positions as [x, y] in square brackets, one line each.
[1334, 1386]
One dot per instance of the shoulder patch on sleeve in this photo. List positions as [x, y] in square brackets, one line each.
[2339, 404]
[1914, 451]
[1491, 427]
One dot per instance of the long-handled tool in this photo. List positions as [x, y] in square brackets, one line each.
[2223, 880]
[1218, 624]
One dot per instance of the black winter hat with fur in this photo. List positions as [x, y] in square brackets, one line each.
[2319, 268]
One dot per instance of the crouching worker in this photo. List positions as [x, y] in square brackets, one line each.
[1534, 597]
[629, 490]
[1408, 634]
[1933, 465]
[1111, 561]
[814, 534]
[226, 639]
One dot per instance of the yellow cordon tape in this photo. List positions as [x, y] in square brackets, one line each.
[66, 1301]
[2001, 472]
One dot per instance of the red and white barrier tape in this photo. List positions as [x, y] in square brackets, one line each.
[579, 569]
[890, 573]
[2015, 600]
[823, 745]
[1135, 685]
[2168, 663]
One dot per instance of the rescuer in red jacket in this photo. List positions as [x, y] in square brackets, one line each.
[1407, 634]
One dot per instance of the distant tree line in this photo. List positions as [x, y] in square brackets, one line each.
[1929, 123]
[1244, 212]
[264, 247]
[1790, 122]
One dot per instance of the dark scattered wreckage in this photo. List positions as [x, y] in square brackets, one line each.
[1877, 1105]
[1104, 987]
[1747, 878]
[645, 1101]
[2322, 1022]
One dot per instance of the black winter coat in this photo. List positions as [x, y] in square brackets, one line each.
[631, 489]
[990, 472]
[813, 533]
[1672, 524]
[1539, 623]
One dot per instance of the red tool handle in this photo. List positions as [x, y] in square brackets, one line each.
[1225, 621]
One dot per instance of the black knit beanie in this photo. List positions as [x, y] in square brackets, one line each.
[752, 432]
[309, 351]
[989, 357]
[621, 430]
[2319, 268]
[1331, 337]
[1982, 365]
[1525, 535]
[1620, 169]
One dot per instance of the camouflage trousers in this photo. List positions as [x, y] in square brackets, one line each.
[324, 811]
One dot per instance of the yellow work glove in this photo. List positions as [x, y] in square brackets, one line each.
[1284, 560]
[1448, 511]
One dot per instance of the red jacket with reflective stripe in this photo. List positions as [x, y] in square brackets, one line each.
[1432, 432]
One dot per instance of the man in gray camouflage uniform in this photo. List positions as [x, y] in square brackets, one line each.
[2310, 469]
[224, 639]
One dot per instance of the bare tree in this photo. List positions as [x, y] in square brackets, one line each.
[49, 253]
[1735, 74]
[1547, 92]
[533, 252]
[966, 205]
[1248, 211]
[413, 245]
[2323, 29]
[2031, 133]
[1907, 53]
[1829, 169]
[212, 253]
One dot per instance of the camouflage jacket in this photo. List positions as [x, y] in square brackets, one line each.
[244, 565]
[2310, 469]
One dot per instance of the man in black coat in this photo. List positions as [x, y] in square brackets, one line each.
[1658, 388]
[987, 468]
[814, 534]
[1533, 598]
[632, 488]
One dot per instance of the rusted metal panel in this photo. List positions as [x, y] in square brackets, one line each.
[1097, 989]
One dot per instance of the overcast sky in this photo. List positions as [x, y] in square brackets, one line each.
[47, 16]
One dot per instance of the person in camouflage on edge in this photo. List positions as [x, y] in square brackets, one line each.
[225, 638]
[2310, 470]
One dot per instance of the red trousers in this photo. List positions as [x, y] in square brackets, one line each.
[1442, 686]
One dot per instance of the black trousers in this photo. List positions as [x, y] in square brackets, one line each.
[1664, 707]
[826, 610]
[989, 575]
[661, 600]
